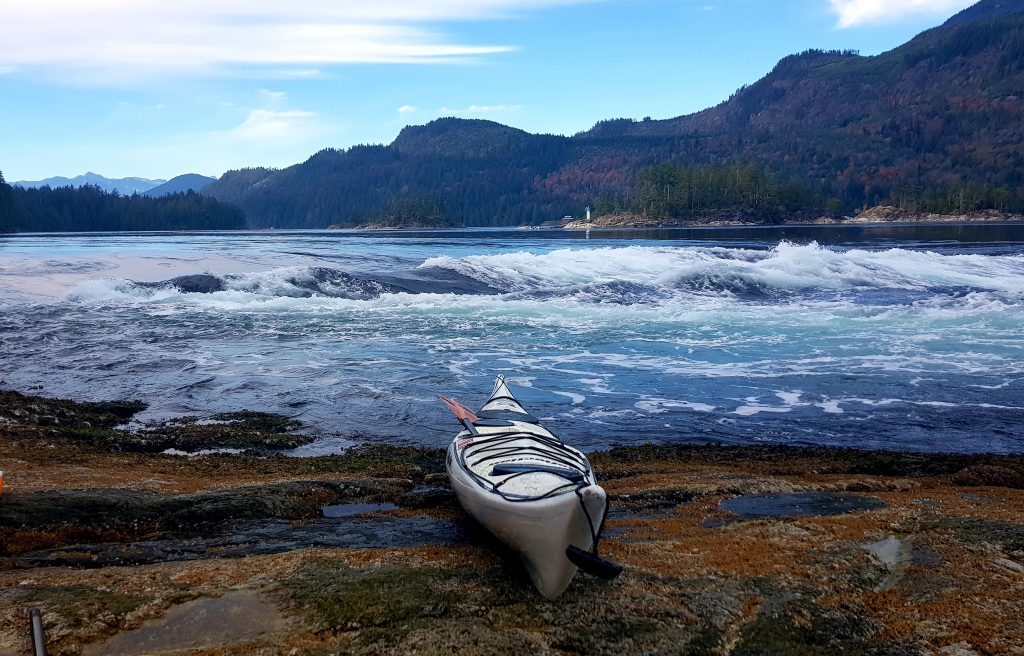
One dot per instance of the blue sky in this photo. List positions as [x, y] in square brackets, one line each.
[155, 89]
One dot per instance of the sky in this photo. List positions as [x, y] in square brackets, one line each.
[154, 89]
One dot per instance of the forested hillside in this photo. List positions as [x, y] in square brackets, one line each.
[484, 173]
[90, 209]
[943, 111]
[937, 122]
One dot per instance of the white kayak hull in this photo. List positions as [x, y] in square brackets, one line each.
[539, 531]
[531, 491]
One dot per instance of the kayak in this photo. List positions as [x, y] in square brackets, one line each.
[529, 489]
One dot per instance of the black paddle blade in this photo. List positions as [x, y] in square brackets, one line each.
[592, 564]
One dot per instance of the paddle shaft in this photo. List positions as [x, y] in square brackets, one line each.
[38, 640]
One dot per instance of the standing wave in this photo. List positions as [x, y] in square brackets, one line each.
[784, 268]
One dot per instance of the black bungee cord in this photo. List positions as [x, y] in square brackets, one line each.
[497, 446]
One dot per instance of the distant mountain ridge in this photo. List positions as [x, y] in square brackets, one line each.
[181, 184]
[124, 186]
[942, 112]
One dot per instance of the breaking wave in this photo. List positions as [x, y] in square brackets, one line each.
[896, 348]
[619, 276]
[741, 272]
[290, 282]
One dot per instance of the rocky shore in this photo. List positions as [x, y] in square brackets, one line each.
[632, 220]
[878, 214]
[891, 214]
[391, 226]
[749, 551]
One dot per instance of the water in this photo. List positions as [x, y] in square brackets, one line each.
[802, 504]
[902, 337]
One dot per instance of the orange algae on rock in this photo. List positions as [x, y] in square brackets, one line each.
[698, 579]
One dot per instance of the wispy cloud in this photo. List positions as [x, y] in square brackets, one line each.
[273, 96]
[118, 39]
[406, 109]
[861, 12]
[266, 124]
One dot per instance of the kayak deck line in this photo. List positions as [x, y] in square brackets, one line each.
[530, 489]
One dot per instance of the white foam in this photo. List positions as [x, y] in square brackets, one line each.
[830, 406]
[789, 398]
[322, 447]
[576, 398]
[201, 452]
[753, 409]
[596, 385]
[656, 406]
[786, 267]
[1005, 383]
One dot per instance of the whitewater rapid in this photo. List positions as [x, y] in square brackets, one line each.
[888, 347]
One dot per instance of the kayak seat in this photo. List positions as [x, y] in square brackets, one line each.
[507, 415]
[506, 468]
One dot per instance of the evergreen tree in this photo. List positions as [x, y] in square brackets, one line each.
[6, 206]
[90, 209]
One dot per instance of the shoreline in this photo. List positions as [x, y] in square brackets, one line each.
[118, 542]
[879, 215]
[573, 226]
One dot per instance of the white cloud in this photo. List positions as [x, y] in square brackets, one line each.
[273, 96]
[406, 109]
[859, 12]
[266, 124]
[481, 109]
[111, 40]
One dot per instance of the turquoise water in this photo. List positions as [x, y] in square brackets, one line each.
[876, 337]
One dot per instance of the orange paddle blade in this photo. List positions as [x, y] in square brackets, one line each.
[461, 412]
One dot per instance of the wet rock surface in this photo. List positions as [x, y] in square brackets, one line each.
[805, 504]
[239, 540]
[125, 515]
[238, 616]
[751, 551]
[97, 425]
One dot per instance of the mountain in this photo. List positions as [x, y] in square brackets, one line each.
[180, 184]
[985, 11]
[123, 186]
[480, 172]
[936, 121]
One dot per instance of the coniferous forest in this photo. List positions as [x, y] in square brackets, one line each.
[935, 125]
[90, 209]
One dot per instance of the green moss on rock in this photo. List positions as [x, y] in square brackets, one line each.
[79, 605]
[337, 597]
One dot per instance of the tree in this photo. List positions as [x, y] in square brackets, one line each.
[6, 206]
[90, 209]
